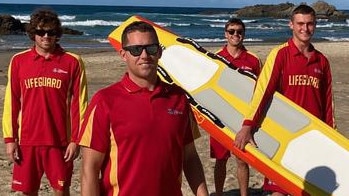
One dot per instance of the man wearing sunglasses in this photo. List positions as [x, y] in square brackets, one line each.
[235, 52]
[138, 133]
[46, 96]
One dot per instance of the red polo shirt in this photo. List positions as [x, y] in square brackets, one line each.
[45, 98]
[307, 82]
[246, 60]
[143, 134]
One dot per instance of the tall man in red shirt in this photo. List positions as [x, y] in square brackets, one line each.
[46, 96]
[312, 90]
[235, 52]
[138, 132]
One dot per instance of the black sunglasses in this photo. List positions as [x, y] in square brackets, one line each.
[41, 32]
[232, 31]
[137, 50]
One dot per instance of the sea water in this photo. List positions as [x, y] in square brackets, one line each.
[204, 25]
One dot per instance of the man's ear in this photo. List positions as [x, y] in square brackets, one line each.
[122, 54]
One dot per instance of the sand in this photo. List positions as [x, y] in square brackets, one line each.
[103, 67]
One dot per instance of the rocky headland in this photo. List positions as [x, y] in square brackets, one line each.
[323, 11]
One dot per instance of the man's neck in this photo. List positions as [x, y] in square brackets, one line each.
[43, 52]
[303, 47]
[234, 51]
[145, 83]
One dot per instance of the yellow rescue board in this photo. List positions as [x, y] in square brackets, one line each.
[296, 150]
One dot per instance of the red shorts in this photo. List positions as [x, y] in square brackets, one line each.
[37, 160]
[272, 187]
[218, 151]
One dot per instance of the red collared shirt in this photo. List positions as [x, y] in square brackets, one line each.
[45, 98]
[143, 134]
[307, 82]
[246, 60]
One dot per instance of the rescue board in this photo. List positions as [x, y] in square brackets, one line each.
[296, 150]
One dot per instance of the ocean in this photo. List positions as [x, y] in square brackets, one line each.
[205, 25]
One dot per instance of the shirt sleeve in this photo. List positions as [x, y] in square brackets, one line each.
[328, 99]
[79, 98]
[267, 83]
[95, 129]
[12, 104]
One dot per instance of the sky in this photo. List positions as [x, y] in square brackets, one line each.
[339, 4]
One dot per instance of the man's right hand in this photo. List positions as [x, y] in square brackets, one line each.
[243, 137]
[12, 151]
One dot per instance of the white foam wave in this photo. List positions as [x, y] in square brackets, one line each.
[163, 24]
[215, 20]
[217, 25]
[7, 47]
[22, 18]
[169, 24]
[26, 18]
[249, 21]
[182, 24]
[101, 40]
[322, 20]
[169, 15]
[172, 18]
[336, 39]
[66, 17]
[253, 40]
[263, 27]
[329, 25]
[220, 40]
[332, 25]
[209, 40]
[224, 21]
[92, 23]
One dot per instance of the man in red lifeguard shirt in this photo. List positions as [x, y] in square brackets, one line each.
[299, 72]
[239, 56]
[46, 97]
[138, 132]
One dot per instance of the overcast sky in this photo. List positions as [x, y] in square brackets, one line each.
[340, 4]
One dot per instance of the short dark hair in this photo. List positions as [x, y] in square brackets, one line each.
[234, 21]
[138, 26]
[303, 9]
[44, 18]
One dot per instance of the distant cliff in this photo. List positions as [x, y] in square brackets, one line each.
[11, 26]
[283, 10]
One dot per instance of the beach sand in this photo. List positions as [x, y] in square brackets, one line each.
[103, 67]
